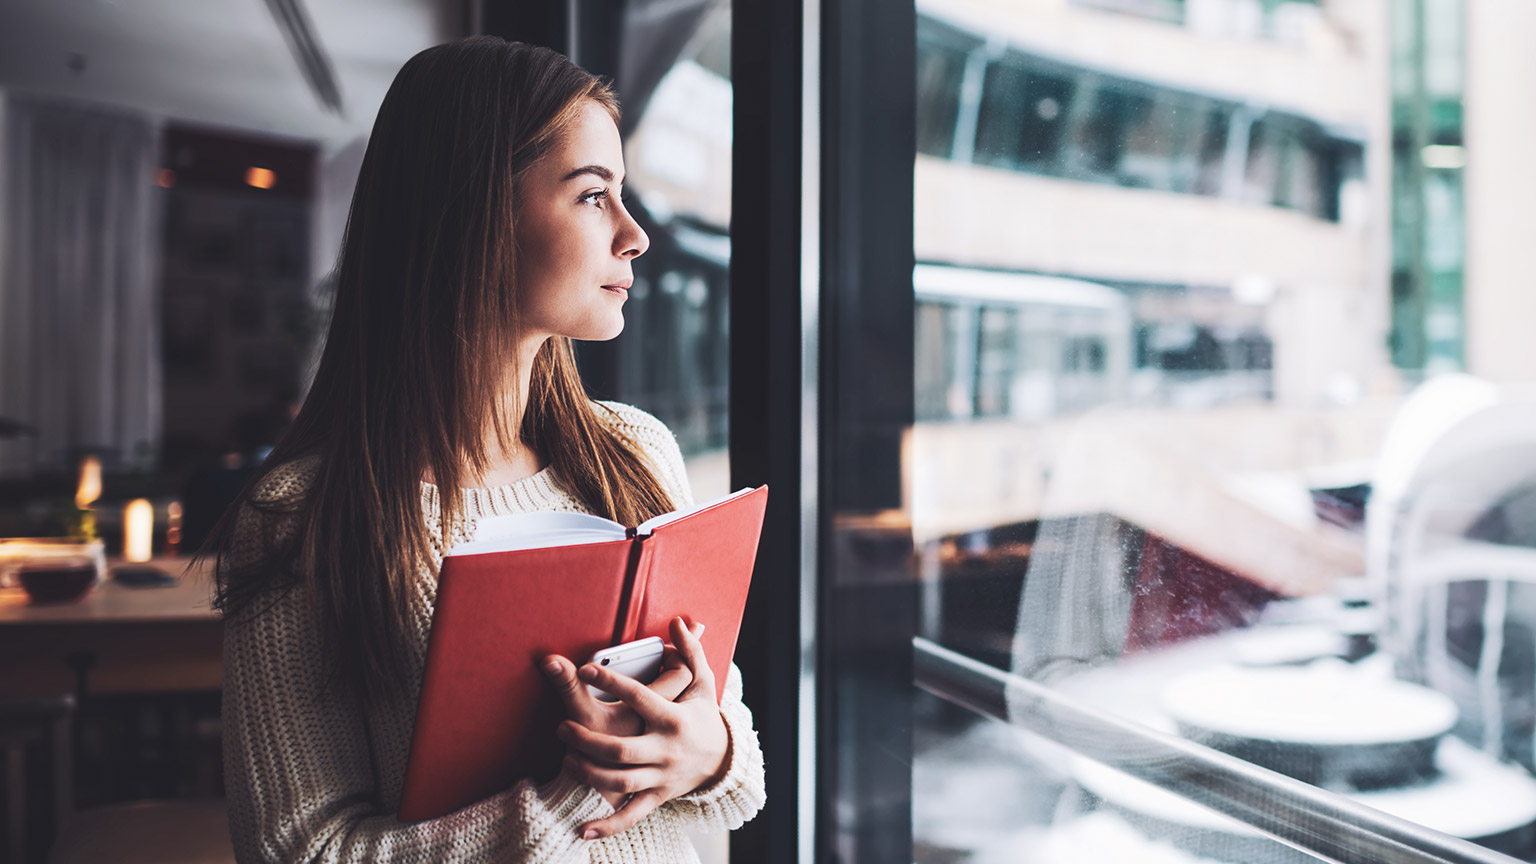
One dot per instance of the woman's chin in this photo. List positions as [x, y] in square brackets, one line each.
[600, 332]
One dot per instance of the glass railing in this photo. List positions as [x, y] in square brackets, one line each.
[1319, 823]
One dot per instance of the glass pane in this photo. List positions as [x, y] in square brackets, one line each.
[942, 58]
[1213, 123]
[1023, 116]
[1183, 453]
[673, 358]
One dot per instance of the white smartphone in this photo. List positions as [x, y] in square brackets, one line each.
[640, 660]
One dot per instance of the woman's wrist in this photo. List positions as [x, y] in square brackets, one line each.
[725, 762]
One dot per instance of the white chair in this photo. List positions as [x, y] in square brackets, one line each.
[1457, 449]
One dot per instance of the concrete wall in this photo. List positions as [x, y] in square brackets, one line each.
[991, 217]
[1326, 315]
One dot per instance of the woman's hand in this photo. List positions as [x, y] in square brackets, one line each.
[685, 745]
[612, 718]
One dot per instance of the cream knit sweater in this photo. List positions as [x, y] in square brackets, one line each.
[312, 778]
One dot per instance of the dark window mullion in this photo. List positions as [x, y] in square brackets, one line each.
[868, 612]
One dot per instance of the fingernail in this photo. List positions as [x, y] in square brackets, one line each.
[587, 673]
[590, 835]
[552, 667]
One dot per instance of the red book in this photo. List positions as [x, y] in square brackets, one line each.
[537, 584]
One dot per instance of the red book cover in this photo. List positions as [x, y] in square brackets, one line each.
[688, 565]
[487, 715]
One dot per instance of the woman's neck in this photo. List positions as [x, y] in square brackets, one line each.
[505, 471]
[521, 462]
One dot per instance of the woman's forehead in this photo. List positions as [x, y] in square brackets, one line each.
[590, 146]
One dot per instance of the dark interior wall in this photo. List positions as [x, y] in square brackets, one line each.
[236, 319]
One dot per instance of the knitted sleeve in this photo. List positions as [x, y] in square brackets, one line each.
[300, 777]
[737, 796]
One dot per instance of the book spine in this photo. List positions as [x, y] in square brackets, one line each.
[633, 602]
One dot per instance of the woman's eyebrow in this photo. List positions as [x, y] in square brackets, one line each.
[594, 169]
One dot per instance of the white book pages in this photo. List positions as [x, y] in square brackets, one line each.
[655, 522]
[538, 531]
[545, 529]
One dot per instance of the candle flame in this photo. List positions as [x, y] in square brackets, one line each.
[90, 482]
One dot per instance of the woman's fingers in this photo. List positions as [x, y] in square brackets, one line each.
[616, 750]
[641, 699]
[674, 678]
[685, 746]
[688, 645]
[626, 817]
[603, 778]
[573, 695]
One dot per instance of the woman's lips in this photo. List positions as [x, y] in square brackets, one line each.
[620, 288]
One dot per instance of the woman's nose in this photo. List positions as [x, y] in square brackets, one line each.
[630, 241]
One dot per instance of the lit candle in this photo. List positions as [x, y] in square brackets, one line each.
[138, 530]
[90, 482]
[87, 493]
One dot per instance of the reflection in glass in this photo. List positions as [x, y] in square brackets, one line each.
[674, 357]
[1157, 416]
[941, 66]
[1030, 112]
[1023, 119]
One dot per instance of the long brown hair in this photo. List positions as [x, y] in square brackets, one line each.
[411, 383]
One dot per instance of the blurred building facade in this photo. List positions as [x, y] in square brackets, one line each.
[1461, 285]
[1222, 161]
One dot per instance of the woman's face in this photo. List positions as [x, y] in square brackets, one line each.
[575, 240]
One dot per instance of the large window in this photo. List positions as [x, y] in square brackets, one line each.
[1176, 514]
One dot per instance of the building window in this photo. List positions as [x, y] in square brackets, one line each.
[1024, 116]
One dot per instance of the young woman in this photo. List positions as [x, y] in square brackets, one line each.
[487, 232]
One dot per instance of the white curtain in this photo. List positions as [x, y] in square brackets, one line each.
[79, 289]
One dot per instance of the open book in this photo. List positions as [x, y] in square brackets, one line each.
[536, 584]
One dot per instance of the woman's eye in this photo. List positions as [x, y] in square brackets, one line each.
[596, 197]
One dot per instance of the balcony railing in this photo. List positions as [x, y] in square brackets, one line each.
[1327, 826]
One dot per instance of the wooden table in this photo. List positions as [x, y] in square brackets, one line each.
[128, 639]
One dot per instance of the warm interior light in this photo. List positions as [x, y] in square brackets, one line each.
[90, 482]
[261, 178]
[172, 527]
[166, 178]
[138, 530]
